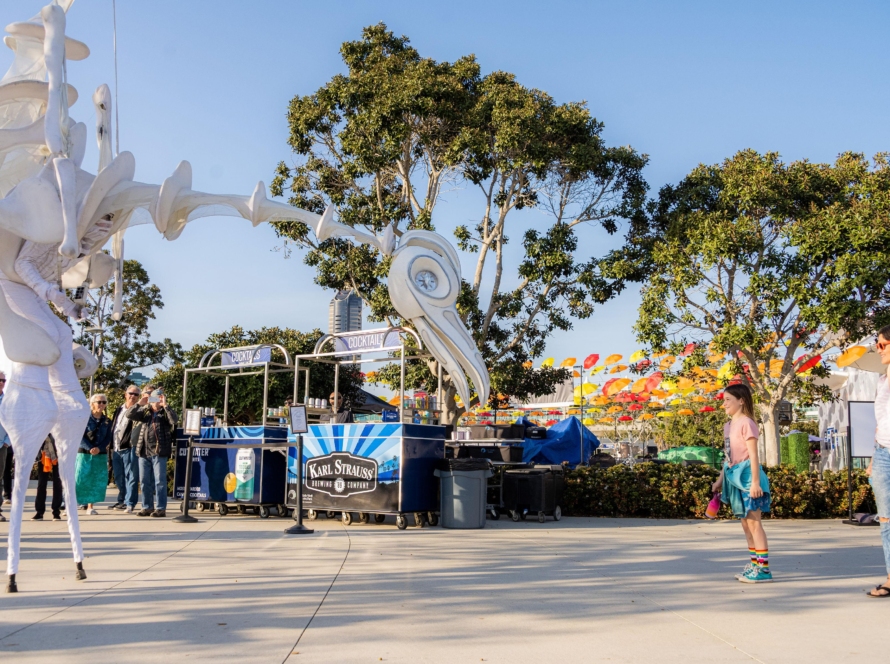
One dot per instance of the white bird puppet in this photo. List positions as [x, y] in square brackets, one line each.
[424, 281]
[55, 218]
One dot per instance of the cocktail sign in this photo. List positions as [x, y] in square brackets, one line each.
[246, 356]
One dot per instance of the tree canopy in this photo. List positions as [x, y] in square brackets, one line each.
[770, 264]
[383, 141]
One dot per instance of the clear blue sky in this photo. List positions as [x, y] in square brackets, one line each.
[684, 82]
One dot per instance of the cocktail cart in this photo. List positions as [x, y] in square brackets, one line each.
[371, 468]
[237, 467]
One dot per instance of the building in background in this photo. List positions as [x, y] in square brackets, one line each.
[345, 312]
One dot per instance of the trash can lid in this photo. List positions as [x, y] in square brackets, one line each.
[464, 464]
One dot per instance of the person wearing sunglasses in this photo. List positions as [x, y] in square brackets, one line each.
[122, 454]
[879, 468]
[5, 449]
[92, 464]
[339, 413]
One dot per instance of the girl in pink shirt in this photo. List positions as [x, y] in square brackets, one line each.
[745, 485]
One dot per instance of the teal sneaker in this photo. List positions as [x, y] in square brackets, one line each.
[757, 575]
[748, 568]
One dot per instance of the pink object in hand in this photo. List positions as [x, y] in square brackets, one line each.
[713, 507]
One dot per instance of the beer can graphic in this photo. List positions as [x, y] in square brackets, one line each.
[244, 474]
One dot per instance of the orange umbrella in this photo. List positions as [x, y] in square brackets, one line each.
[615, 409]
[646, 416]
[612, 359]
[618, 368]
[618, 385]
[685, 411]
[851, 355]
[666, 362]
[568, 362]
[608, 385]
[640, 385]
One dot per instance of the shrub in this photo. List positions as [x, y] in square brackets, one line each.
[673, 491]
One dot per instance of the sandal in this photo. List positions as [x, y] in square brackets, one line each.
[887, 588]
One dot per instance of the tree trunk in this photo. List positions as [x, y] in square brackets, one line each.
[769, 415]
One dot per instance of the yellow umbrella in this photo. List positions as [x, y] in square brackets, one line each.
[588, 388]
[568, 362]
[587, 422]
[669, 384]
[676, 402]
[612, 359]
[636, 357]
[726, 370]
[548, 362]
[665, 413]
[686, 392]
[851, 355]
[597, 370]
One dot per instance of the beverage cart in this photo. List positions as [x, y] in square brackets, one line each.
[237, 467]
[370, 468]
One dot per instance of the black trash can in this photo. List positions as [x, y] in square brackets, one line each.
[538, 491]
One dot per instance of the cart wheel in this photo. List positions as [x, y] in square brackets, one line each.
[200, 507]
[401, 522]
[242, 509]
[523, 514]
[312, 515]
[263, 511]
[331, 514]
[541, 517]
[418, 519]
[347, 518]
[495, 514]
[379, 518]
[557, 513]
[222, 508]
[282, 510]
[433, 518]
[364, 517]
[182, 506]
[514, 515]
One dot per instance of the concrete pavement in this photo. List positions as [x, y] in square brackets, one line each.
[582, 590]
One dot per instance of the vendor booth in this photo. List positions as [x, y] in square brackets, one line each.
[382, 465]
[237, 467]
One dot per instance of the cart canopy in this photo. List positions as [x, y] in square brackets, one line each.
[563, 443]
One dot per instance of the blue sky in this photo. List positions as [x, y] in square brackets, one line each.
[684, 82]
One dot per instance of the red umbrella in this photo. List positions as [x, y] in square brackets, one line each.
[625, 418]
[707, 409]
[642, 365]
[635, 406]
[590, 360]
[809, 364]
[550, 423]
[690, 348]
[624, 397]
[654, 381]
[607, 385]
[719, 396]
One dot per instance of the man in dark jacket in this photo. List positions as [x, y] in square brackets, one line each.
[153, 440]
[122, 455]
[48, 471]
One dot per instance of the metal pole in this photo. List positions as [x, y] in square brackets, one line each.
[850, 469]
[298, 528]
[265, 393]
[296, 380]
[92, 376]
[581, 403]
[402, 385]
[336, 379]
[226, 403]
[187, 491]
[185, 387]
[440, 396]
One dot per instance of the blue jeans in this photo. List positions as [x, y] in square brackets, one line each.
[154, 481]
[880, 484]
[126, 476]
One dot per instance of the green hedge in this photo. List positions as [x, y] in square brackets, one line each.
[671, 491]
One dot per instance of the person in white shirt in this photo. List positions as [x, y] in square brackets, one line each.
[879, 468]
[4, 446]
[122, 456]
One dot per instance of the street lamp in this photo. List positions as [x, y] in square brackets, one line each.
[93, 330]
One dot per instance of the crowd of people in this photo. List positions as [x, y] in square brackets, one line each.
[132, 445]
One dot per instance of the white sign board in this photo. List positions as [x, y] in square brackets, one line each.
[862, 428]
[298, 423]
[192, 424]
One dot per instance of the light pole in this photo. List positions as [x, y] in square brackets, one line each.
[93, 330]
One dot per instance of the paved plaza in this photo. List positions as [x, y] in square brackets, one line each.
[582, 590]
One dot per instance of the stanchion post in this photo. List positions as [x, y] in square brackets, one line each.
[187, 492]
[298, 528]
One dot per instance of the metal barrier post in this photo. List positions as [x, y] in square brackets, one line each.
[184, 517]
[298, 528]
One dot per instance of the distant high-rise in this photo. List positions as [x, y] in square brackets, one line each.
[345, 313]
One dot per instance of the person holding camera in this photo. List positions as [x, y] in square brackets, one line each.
[153, 430]
[91, 474]
[122, 456]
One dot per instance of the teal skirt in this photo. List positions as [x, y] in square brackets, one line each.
[91, 478]
[737, 489]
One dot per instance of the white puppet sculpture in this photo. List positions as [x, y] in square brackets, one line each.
[54, 219]
[424, 281]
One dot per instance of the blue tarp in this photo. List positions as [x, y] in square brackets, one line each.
[563, 443]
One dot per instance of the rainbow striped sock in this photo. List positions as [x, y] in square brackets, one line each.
[753, 555]
[763, 559]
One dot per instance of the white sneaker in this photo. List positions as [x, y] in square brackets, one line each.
[130, 510]
[93, 512]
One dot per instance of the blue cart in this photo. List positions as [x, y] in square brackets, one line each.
[374, 468]
[236, 468]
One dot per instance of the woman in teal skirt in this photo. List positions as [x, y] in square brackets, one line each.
[91, 474]
[745, 486]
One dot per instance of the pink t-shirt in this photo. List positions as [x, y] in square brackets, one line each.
[735, 433]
